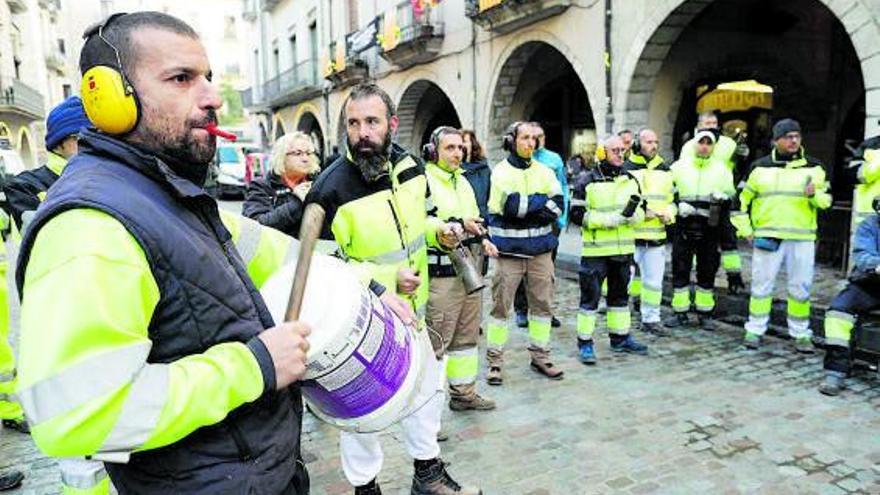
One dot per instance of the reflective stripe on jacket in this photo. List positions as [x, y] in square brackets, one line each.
[658, 191]
[380, 226]
[525, 201]
[453, 199]
[774, 196]
[607, 193]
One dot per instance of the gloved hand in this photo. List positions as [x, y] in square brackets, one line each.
[719, 196]
[735, 283]
[614, 220]
[686, 209]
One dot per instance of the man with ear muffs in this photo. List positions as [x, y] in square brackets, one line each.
[166, 365]
[525, 201]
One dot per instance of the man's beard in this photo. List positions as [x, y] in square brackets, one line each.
[372, 161]
[188, 156]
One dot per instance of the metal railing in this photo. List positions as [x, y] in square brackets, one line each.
[303, 75]
[22, 97]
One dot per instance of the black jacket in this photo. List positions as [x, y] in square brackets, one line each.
[269, 201]
[479, 175]
[22, 191]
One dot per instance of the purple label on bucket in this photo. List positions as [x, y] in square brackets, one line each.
[370, 376]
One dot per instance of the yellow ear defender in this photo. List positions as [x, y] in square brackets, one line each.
[108, 98]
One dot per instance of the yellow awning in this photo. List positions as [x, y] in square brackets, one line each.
[737, 95]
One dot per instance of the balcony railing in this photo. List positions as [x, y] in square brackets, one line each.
[293, 85]
[418, 40]
[23, 99]
[344, 70]
[504, 16]
[55, 61]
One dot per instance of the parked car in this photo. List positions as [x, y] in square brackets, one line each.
[231, 168]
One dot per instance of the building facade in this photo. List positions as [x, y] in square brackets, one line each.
[583, 68]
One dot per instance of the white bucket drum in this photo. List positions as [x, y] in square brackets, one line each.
[364, 366]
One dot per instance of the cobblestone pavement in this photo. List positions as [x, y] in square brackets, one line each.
[698, 415]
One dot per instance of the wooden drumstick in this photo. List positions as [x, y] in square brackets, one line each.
[310, 230]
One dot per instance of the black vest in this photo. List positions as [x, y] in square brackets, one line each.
[207, 298]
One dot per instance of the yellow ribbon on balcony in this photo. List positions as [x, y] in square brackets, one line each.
[339, 62]
[389, 38]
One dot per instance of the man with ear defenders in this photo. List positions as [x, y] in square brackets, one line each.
[452, 312]
[166, 364]
[612, 205]
[525, 201]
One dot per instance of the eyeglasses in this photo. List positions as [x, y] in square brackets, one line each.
[616, 150]
[299, 153]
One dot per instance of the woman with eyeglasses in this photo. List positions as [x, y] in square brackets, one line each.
[276, 200]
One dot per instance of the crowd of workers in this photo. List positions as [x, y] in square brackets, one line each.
[166, 373]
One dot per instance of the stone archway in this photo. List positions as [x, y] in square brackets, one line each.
[551, 92]
[423, 107]
[309, 124]
[26, 149]
[279, 130]
[669, 18]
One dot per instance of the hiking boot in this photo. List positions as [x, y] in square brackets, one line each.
[11, 480]
[629, 344]
[371, 488]
[547, 369]
[586, 352]
[20, 425]
[804, 345]
[554, 322]
[679, 320]
[431, 478]
[752, 341]
[834, 383]
[522, 320]
[655, 328]
[493, 377]
[475, 402]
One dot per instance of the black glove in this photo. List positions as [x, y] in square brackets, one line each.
[735, 283]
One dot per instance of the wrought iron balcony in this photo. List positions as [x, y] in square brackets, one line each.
[352, 71]
[22, 99]
[419, 41]
[504, 16]
[268, 5]
[293, 85]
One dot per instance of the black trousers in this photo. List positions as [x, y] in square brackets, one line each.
[520, 301]
[593, 273]
[853, 300]
[695, 238]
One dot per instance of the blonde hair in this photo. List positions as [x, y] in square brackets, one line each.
[279, 152]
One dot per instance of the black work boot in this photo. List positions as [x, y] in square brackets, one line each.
[431, 478]
[10, 480]
[371, 488]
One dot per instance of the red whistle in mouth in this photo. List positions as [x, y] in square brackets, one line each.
[212, 129]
